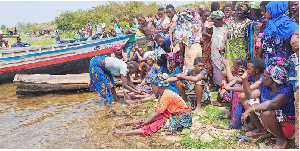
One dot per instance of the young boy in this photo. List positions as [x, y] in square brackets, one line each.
[196, 81]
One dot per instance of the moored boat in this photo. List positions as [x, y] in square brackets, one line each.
[55, 59]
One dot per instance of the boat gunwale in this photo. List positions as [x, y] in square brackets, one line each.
[68, 47]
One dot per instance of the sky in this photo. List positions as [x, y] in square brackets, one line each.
[12, 12]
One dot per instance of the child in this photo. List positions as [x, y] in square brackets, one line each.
[169, 105]
[196, 81]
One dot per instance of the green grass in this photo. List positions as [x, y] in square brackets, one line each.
[34, 41]
[199, 144]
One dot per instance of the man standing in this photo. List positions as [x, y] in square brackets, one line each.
[131, 29]
[98, 28]
[147, 27]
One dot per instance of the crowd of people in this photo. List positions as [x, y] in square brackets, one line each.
[246, 51]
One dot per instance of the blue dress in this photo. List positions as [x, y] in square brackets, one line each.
[102, 70]
[172, 86]
[285, 89]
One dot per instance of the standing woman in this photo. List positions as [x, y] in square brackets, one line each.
[279, 29]
[206, 45]
[102, 70]
[218, 40]
[237, 44]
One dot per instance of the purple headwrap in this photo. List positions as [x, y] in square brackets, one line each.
[278, 68]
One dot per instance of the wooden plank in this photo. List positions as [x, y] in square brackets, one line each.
[45, 83]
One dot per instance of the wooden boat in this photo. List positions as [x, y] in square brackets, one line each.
[56, 59]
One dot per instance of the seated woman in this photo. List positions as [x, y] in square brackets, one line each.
[101, 70]
[275, 111]
[174, 63]
[255, 69]
[117, 52]
[196, 81]
[169, 105]
[152, 70]
[232, 77]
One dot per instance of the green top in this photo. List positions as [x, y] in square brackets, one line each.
[77, 36]
[134, 27]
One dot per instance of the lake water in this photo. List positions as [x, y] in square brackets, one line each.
[68, 121]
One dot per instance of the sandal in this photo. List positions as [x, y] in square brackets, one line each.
[281, 147]
[225, 117]
[253, 134]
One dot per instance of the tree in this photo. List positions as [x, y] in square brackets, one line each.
[3, 27]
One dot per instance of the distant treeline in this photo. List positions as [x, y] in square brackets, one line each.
[120, 11]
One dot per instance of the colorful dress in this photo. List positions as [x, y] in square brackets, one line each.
[254, 37]
[180, 111]
[218, 41]
[102, 70]
[190, 54]
[236, 46]
[186, 28]
[206, 52]
[161, 23]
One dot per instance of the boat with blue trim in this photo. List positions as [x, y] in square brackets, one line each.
[71, 58]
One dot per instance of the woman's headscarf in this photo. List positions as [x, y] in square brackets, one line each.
[217, 15]
[255, 4]
[280, 25]
[150, 54]
[161, 80]
[242, 5]
[278, 68]
[116, 47]
[174, 56]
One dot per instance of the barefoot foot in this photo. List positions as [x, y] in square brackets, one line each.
[197, 110]
[118, 132]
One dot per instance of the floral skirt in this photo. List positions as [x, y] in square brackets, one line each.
[181, 120]
[206, 54]
[101, 80]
